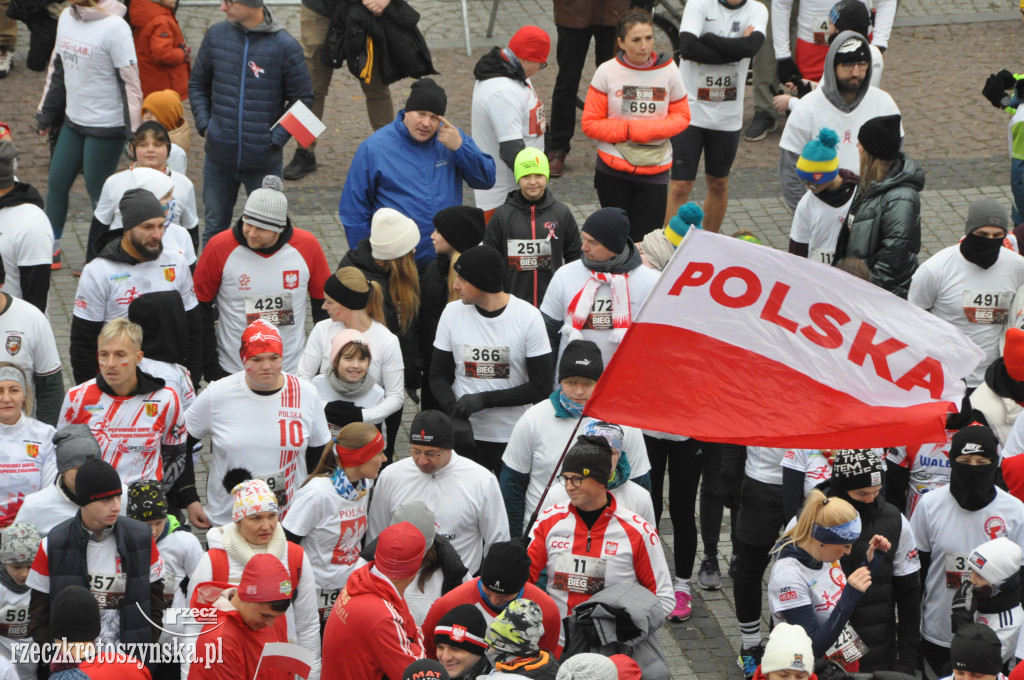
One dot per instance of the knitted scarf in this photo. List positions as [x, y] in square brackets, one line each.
[579, 308]
[242, 551]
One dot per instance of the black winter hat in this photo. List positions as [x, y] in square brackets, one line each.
[146, 501]
[590, 457]
[425, 669]
[432, 428]
[74, 615]
[464, 627]
[880, 137]
[850, 15]
[137, 206]
[975, 648]
[484, 267]
[506, 569]
[97, 480]
[581, 359]
[976, 439]
[609, 227]
[856, 469]
[461, 225]
[853, 49]
[426, 95]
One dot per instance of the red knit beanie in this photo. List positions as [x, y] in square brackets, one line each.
[531, 43]
[400, 550]
[1013, 353]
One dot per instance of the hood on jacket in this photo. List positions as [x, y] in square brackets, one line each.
[164, 328]
[269, 25]
[829, 85]
[282, 239]
[101, 10]
[495, 64]
[108, 246]
[906, 172]
[147, 383]
[21, 194]
[142, 13]
[516, 198]
[362, 258]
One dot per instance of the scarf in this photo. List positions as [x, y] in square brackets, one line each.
[579, 308]
[345, 488]
[568, 406]
[349, 390]
[241, 550]
[10, 583]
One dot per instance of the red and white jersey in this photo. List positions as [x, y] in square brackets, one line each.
[248, 285]
[620, 548]
[131, 431]
[26, 449]
[265, 434]
[108, 286]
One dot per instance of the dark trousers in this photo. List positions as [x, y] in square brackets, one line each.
[644, 201]
[936, 660]
[751, 562]
[487, 454]
[571, 54]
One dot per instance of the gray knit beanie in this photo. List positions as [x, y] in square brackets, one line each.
[987, 212]
[137, 206]
[267, 207]
[588, 666]
[75, 445]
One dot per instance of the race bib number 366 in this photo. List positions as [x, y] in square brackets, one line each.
[486, 363]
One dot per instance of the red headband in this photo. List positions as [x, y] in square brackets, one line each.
[354, 457]
[259, 338]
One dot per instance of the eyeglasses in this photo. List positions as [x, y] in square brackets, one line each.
[572, 481]
[543, 65]
[429, 455]
[849, 68]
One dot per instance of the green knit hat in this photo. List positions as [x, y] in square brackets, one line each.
[530, 161]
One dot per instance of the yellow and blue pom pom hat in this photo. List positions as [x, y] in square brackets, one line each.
[819, 160]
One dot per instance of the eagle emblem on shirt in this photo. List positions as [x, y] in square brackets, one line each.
[291, 279]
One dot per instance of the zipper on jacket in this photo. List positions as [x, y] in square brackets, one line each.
[588, 540]
[241, 98]
[533, 235]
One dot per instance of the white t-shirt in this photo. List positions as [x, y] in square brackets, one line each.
[177, 240]
[950, 533]
[387, 368]
[28, 339]
[14, 628]
[265, 434]
[181, 552]
[974, 299]
[26, 450]
[764, 464]
[814, 111]
[174, 376]
[107, 287]
[107, 580]
[107, 207]
[91, 53]
[504, 110]
[569, 280]
[490, 354]
[50, 506]
[716, 91]
[26, 240]
[332, 528]
[818, 224]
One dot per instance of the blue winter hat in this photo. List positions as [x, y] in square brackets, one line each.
[689, 215]
[819, 160]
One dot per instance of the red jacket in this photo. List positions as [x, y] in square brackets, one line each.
[235, 649]
[370, 632]
[123, 667]
[159, 47]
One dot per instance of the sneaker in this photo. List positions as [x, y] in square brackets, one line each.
[682, 611]
[56, 261]
[710, 575]
[556, 164]
[749, 659]
[760, 126]
[302, 163]
[6, 60]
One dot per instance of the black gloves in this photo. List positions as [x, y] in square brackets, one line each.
[463, 433]
[788, 71]
[467, 405]
[996, 86]
[1006, 79]
[342, 413]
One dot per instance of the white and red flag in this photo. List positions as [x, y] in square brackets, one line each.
[302, 124]
[743, 344]
[285, 656]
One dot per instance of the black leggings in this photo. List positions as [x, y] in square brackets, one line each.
[751, 562]
[644, 201]
[689, 459]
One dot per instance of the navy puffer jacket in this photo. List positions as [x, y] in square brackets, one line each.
[242, 82]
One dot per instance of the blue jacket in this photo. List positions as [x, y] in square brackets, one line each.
[393, 170]
[242, 82]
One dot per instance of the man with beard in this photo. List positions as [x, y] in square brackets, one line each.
[844, 101]
[949, 523]
[123, 270]
[857, 477]
[972, 284]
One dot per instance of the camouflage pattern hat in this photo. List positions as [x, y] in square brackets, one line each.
[517, 630]
[19, 543]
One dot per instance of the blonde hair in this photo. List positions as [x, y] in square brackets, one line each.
[821, 510]
[120, 327]
[404, 285]
[352, 436]
[452, 295]
[354, 279]
[872, 170]
[26, 386]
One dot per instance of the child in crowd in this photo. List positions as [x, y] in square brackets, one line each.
[787, 656]
[164, 57]
[347, 388]
[820, 214]
[537, 232]
[992, 594]
[18, 545]
[165, 107]
[658, 246]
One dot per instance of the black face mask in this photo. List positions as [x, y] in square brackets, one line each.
[980, 250]
[972, 486]
[865, 510]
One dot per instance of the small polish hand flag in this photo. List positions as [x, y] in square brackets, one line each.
[286, 657]
[302, 123]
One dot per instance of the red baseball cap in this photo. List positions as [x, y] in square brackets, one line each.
[400, 550]
[532, 43]
[264, 580]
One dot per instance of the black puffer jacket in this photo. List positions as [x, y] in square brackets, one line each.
[883, 227]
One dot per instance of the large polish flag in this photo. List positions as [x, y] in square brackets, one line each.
[302, 124]
[743, 344]
[286, 657]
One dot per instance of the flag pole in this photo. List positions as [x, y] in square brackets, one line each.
[551, 479]
[258, 664]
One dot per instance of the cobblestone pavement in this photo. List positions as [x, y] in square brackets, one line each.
[940, 54]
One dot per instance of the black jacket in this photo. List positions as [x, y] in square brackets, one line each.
[35, 279]
[433, 300]
[448, 560]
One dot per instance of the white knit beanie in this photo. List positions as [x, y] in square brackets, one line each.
[392, 234]
[789, 647]
[996, 560]
[267, 207]
[588, 666]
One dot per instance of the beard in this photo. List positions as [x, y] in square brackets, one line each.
[849, 86]
[148, 253]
